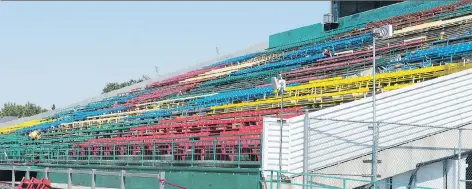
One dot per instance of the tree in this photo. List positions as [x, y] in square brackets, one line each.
[53, 107]
[18, 110]
[115, 85]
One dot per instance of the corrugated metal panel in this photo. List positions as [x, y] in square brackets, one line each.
[292, 145]
[445, 102]
[271, 145]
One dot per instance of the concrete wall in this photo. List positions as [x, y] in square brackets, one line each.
[187, 179]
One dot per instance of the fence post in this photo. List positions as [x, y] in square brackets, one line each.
[46, 170]
[193, 151]
[101, 153]
[13, 177]
[311, 182]
[114, 152]
[122, 180]
[27, 174]
[69, 178]
[279, 178]
[239, 151]
[93, 178]
[459, 159]
[162, 177]
[306, 126]
[142, 153]
[154, 153]
[214, 152]
[88, 155]
[172, 153]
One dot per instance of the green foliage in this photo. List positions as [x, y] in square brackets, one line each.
[115, 85]
[18, 110]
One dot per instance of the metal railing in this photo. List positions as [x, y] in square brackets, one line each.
[238, 151]
[277, 180]
[122, 174]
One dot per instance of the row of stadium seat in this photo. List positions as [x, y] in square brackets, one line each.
[217, 110]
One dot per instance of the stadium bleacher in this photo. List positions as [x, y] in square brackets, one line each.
[212, 116]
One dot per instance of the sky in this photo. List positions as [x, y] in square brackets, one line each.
[64, 52]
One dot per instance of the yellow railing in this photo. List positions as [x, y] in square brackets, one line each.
[317, 93]
[313, 92]
[394, 87]
[26, 124]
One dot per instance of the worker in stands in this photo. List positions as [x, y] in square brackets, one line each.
[327, 53]
[35, 135]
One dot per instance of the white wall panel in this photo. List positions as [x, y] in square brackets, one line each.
[444, 102]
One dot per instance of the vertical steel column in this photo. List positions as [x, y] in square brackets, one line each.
[374, 121]
[33, 156]
[142, 153]
[27, 175]
[101, 153]
[239, 151]
[193, 151]
[114, 152]
[69, 178]
[172, 152]
[459, 160]
[122, 179]
[311, 181]
[88, 155]
[13, 177]
[153, 152]
[93, 178]
[128, 156]
[281, 128]
[279, 178]
[46, 172]
[214, 151]
[162, 177]
[306, 126]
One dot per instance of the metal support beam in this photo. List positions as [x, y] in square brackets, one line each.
[27, 174]
[69, 178]
[122, 179]
[46, 173]
[374, 121]
[162, 178]
[93, 178]
[281, 129]
[305, 149]
[13, 177]
[459, 160]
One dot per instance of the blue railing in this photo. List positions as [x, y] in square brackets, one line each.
[236, 59]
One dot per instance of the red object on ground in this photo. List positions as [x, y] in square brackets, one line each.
[34, 184]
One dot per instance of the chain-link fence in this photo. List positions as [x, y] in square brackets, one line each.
[407, 154]
[423, 138]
